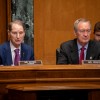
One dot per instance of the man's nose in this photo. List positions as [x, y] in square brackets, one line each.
[85, 33]
[17, 35]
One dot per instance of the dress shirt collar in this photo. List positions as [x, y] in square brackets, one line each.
[13, 47]
[80, 46]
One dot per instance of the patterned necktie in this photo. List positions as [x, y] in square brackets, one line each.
[17, 57]
[81, 55]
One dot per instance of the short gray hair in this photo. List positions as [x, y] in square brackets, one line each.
[78, 21]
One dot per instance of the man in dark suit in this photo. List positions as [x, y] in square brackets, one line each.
[70, 51]
[16, 32]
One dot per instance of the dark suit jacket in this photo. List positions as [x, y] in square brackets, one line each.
[69, 52]
[6, 57]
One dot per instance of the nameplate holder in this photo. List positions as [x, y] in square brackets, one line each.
[35, 62]
[91, 62]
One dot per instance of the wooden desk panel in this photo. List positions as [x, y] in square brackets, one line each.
[50, 77]
[49, 73]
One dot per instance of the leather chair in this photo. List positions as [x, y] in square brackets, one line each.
[57, 54]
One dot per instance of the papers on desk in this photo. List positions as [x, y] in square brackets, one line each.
[91, 62]
[35, 62]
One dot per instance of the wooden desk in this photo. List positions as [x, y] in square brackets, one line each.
[49, 91]
[27, 81]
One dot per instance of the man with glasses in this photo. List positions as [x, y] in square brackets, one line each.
[81, 48]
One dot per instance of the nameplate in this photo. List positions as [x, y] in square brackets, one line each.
[35, 62]
[91, 62]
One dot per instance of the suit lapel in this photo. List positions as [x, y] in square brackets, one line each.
[74, 52]
[90, 51]
[8, 54]
[23, 52]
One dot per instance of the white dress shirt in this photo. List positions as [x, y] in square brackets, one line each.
[12, 51]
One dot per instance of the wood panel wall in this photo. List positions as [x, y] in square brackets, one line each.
[3, 21]
[53, 24]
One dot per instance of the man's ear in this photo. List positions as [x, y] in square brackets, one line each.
[75, 33]
[8, 35]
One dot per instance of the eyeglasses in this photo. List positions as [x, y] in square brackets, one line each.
[83, 31]
[14, 33]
